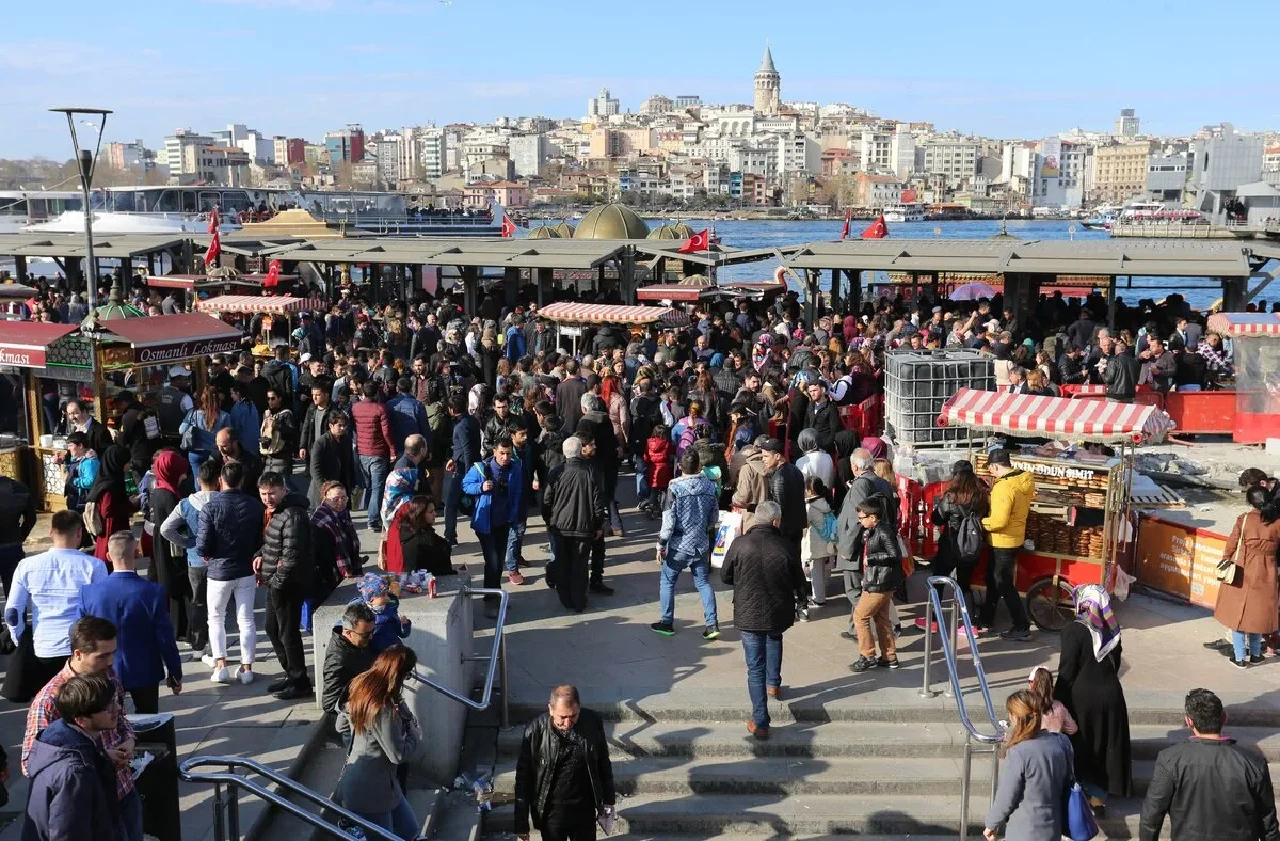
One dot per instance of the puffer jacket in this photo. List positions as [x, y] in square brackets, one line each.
[373, 429]
[786, 487]
[764, 569]
[689, 519]
[659, 454]
[510, 509]
[229, 534]
[813, 546]
[288, 562]
[1011, 499]
[882, 570]
[572, 503]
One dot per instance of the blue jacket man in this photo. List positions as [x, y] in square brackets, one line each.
[497, 483]
[230, 531]
[685, 541]
[515, 343]
[406, 415]
[138, 609]
[246, 423]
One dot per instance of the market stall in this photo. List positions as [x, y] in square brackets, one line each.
[228, 282]
[278, 315]
[1081, 516]
[1255, 339]
[570, 318]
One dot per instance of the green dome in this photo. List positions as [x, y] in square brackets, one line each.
[564, 230]
[612, 221]
[113, 308]
[544, 232]
[675, 230]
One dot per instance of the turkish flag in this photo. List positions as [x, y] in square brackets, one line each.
[877, 229]
[508, 227]
[215, 249]
[697, 242]
[273, 275]
[844, 232]
[214, 220]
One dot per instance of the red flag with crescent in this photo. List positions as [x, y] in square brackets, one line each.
[215, 249]
[273, 275]
[844, 232]
[697, 242]
[877, 229]
[508, 227]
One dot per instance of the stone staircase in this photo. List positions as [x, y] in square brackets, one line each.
[875, 772]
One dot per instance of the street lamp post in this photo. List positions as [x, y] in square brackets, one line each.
[86, 160]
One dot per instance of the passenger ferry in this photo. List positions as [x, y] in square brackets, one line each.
[20, 208]
[904, 212]
[184, 210]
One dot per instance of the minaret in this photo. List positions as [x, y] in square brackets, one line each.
[768, 86]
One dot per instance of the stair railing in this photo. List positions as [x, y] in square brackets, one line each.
[986, 742]
[496, 658]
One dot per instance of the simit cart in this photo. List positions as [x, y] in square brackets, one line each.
[570, 318]
[1080, 517]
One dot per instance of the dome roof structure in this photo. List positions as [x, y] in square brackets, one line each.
[611, 221]
[544, 232]
[675, 230]
[565, 230]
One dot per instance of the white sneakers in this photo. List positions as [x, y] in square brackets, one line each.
[208, 659]
[246, 677]
[223, 675]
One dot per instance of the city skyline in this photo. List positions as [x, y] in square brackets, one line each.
[301, 67]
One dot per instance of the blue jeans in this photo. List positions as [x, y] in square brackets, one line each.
[452, 498]
[374, 471]
[764, 668]
[515, 546]
[399, 820]
[131, 816]
[672, 565]
[1239, 639]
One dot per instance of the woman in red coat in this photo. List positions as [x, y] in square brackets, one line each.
[659, 454]
[111, 496]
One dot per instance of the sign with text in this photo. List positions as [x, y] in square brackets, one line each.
[175, 351]
[23, 357]
[1179, 560]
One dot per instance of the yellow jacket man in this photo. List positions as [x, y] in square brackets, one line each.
[1007, 524]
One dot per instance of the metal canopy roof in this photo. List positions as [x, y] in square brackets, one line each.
[717, 255]
[461, 251]
[1196, 258]
[72, 245]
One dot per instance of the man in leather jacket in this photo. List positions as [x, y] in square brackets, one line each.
[1208, 786]
[564, 779]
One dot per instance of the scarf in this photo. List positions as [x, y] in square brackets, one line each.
[1093, 610]
[875, 446]
[112, 465]
[169, 469]
[338, 525]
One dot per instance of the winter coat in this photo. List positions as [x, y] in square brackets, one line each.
[812, 545]
[1211, 790]
[278, 441]
[863, 488]
[407, 417]
[373, 429]
[369, 782]
[689, 519]
[879, 556]
[602, 434]
[230, 534]
[786, 487]
[342, 663]
[620, 417]
[1011, 498]
[764, 569]
[288, 562]
[388, 630]
[482, 518]
[659, 454]
[951, 515]
[572, 502]
[465, 440]
[750, 486]
[330, 459]
[536, 764]
[1091, 691]
[1121, 377]
[823, 419]
[72, 793]
[1029, 800]
[1250, 604]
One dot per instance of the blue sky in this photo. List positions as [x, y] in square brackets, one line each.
[299, 67]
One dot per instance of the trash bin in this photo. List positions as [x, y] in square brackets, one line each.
[158, 784]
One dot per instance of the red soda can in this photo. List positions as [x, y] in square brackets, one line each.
[431, 587]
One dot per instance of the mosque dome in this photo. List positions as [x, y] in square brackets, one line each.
[612, 221]
[564, 230]
[675, 230]
[544, 232]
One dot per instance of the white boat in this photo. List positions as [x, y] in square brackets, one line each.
[904, 212]
[20, 208]
[1154, 212]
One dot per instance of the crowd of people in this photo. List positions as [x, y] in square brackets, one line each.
[416, 411]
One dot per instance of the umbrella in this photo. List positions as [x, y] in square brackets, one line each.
[972, 292]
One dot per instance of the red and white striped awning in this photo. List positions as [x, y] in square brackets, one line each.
[1098, 421]
[254, 304]
[1245, 323]
[574, 313]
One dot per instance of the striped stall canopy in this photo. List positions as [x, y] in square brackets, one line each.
[1097, 421]
[1245, 323]
[573, 313]
[254, 304]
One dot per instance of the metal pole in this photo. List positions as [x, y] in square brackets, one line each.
[506, 692]
[995, 769]
[955, 617]
[91, 263]
[966, 769]
[219, 828]
[926, 691]
[233, 810]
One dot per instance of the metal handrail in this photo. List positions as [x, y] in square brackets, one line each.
[497, 654]
[231, 821]
[947, 634]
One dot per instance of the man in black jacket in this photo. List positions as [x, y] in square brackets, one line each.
[768, 582]
[347, 655]
[821, 415]
[574, 509]
[1209, 787]
[465, 452]
[287, 563]
[1121, 377]
[564, 779]
[785, 483]
[1071, 367]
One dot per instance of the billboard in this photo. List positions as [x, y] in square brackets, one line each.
[1050, 156]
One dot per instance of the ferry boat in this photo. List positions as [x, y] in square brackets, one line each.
[1154, 212]
[1102, 218]
[904, 212]
[20, 208]
[182, 210]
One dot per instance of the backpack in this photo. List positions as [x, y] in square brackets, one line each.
[688, 438]
[969, 537]
[93, 522]
[829, 530]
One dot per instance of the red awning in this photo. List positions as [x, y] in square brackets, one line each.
[24, 343]
[253, 304]
[573, 313]
[1245, 323]
[679, 292]
[169, 338]
[1099, 421]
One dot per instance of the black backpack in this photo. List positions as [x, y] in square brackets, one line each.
[969, 537]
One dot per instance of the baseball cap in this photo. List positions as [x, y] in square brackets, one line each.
[179, 371]
[306, 357]
[771, 445]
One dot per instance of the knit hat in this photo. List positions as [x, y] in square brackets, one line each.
[373, 585]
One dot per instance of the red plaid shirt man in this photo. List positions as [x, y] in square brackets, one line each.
[42, 713]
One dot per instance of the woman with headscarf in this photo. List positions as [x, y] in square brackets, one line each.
[850, 328]
[1089, 687]
[876, 446]
[111, 497]
[169, 562]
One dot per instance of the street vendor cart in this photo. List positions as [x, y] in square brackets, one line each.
[1080, 517]
[1255, 339]
[277, 321]
[570, 318]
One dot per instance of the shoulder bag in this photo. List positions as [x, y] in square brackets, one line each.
[1229, 572]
